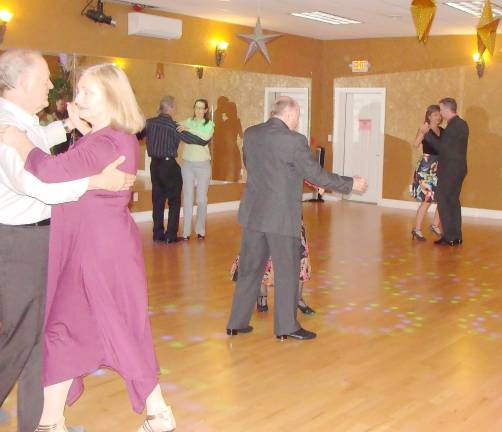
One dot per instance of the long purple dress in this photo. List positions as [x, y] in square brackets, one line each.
[96, 313]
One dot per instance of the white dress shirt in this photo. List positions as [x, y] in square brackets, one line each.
[24, 199]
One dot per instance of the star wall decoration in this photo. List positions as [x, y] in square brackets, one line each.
[258, 40]
[423, 12]
[487, 30]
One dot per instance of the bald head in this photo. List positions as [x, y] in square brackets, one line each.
[25, 79]
[288, 110]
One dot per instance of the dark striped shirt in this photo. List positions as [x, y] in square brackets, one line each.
[162, 139]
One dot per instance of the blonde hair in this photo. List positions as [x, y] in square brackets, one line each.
[125, 113]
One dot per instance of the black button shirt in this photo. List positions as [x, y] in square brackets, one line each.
[162, 139]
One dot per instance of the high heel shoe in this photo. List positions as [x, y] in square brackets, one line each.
[435, 229]
[261, 304]
[164, 420]
[417, 234]
[305, 308]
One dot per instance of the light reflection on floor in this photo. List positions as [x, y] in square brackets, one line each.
[363, 294]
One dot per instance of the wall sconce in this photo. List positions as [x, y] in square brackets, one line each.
[120, 63]
[5, 17]
[199, 71]
[220, 52]
[480, 63]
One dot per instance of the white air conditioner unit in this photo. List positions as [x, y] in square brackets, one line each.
[141, 24]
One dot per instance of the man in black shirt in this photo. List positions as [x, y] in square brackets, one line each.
[452, 149]
[162, 141]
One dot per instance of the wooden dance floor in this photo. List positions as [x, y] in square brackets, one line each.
[409, 335]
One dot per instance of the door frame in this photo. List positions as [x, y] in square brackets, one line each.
[339, 103]
[300, 90]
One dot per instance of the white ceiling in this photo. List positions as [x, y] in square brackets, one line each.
[380, 18]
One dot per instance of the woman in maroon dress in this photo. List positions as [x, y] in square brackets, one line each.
[96, 312]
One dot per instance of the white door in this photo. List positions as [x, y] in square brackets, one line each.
[301, 95]
[359, 132]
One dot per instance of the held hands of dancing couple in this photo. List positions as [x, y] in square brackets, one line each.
[111, 178]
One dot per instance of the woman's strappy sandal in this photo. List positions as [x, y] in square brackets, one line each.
[58, 427]
[436, 230]
[164, 419]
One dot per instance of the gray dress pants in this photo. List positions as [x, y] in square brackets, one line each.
[23, 281]
[256, 248]
[196, 175]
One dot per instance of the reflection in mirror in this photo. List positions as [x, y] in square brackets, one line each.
[236, 101]
[227, 159]
[62, 69]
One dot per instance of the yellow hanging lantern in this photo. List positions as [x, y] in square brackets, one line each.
[487, 30]
[423, 12]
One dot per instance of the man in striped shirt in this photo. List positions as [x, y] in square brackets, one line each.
[162, 142]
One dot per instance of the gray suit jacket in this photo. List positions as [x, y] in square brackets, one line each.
[277, 161]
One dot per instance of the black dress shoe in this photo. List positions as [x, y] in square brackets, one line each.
[234, 332]
[158, 238]
[300, 334]
[441, 241]
[200, 237]
[173, 240]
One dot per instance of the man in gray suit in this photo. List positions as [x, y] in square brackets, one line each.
[277, 160]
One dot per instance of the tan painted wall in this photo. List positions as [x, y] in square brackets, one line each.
[416, 76]
[57, 26]
[245, 89]
[397, 63]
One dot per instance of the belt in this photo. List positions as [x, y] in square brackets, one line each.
[44, 222]
[162, 158]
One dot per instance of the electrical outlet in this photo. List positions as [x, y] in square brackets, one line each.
[135, 196]
[330, 138]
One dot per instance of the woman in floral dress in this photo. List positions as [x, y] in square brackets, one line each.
[424, 185]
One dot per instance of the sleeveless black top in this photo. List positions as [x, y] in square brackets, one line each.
[426, 142]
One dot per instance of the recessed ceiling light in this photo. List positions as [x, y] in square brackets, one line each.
[474, 7]
[325, 17]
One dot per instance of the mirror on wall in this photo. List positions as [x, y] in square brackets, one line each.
[237, 100]
[62, 67]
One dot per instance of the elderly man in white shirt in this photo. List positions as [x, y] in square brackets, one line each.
[24, 227]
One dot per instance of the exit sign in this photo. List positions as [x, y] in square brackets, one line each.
[359, 66]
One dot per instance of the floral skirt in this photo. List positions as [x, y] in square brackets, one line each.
[268, 273]
[425, 179]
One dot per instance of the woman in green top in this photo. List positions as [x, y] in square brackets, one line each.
[196, 169]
